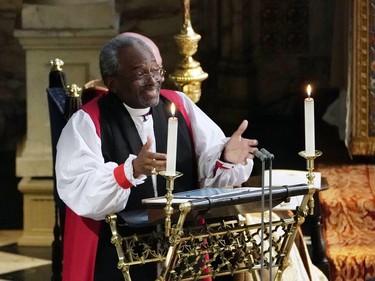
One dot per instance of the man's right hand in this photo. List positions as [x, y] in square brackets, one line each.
[148, 162]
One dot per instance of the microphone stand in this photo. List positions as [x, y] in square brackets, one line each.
[262, 158]
[270, 157]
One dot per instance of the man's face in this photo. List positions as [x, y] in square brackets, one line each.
[137, 82]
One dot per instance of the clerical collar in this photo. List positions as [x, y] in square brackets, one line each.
[138, 112]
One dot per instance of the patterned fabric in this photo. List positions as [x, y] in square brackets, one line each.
[348, 209]
[299, 266]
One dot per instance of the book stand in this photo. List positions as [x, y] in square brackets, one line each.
[209, 235]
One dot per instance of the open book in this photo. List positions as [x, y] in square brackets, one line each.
[224, 202]
[194, 194]
[228, 201]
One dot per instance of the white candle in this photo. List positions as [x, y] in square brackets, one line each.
[309, 124]
[172, 143]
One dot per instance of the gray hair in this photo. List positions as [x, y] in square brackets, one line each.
[108, 59]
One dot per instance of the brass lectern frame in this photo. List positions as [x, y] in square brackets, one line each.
[223, 246]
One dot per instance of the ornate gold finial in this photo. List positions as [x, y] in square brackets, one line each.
[73, 102]
[74, 91]
[188, 74]
[56, 64]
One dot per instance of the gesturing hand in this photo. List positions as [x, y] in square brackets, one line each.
[147, 161]
[238, 149]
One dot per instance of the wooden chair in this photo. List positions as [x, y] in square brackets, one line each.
[63, 101]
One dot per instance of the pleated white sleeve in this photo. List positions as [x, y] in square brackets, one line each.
[85, 183]
[209, 141]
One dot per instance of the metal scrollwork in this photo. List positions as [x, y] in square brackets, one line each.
[214, 249]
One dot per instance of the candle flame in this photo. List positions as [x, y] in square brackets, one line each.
[173, 109]
[308, 89]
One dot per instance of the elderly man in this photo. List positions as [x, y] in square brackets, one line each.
[109, 150]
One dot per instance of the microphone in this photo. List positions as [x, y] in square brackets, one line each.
[267, 154]
[270, 157]
[259, 155]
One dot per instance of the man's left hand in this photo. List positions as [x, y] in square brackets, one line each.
[238, 149]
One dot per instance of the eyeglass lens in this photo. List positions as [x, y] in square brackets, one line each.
[156, 74]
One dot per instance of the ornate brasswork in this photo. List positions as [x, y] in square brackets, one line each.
[74, 90]
[310, 177]
[362, 85]
[222, 248]
[73, 100]
[195, 249]
[188, 74]
[169, 196]
[56, 64]
[56, 75]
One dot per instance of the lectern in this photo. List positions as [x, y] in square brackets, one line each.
[209, 235]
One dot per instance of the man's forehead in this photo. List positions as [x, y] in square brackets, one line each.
[137, 56]
[145, 64]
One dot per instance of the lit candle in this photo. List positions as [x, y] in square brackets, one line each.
[309, 124]
[172, 143]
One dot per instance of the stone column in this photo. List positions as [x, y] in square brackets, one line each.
[73, 31]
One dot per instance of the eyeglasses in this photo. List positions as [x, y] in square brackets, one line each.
[142, 77]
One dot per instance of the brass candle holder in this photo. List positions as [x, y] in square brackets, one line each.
[169, 196]
[310, 175]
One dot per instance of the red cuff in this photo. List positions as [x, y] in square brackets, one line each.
[222, 165]
[120, 177]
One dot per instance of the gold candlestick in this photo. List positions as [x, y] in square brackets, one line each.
[188, 74]
[310, 175]
[169, 196]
